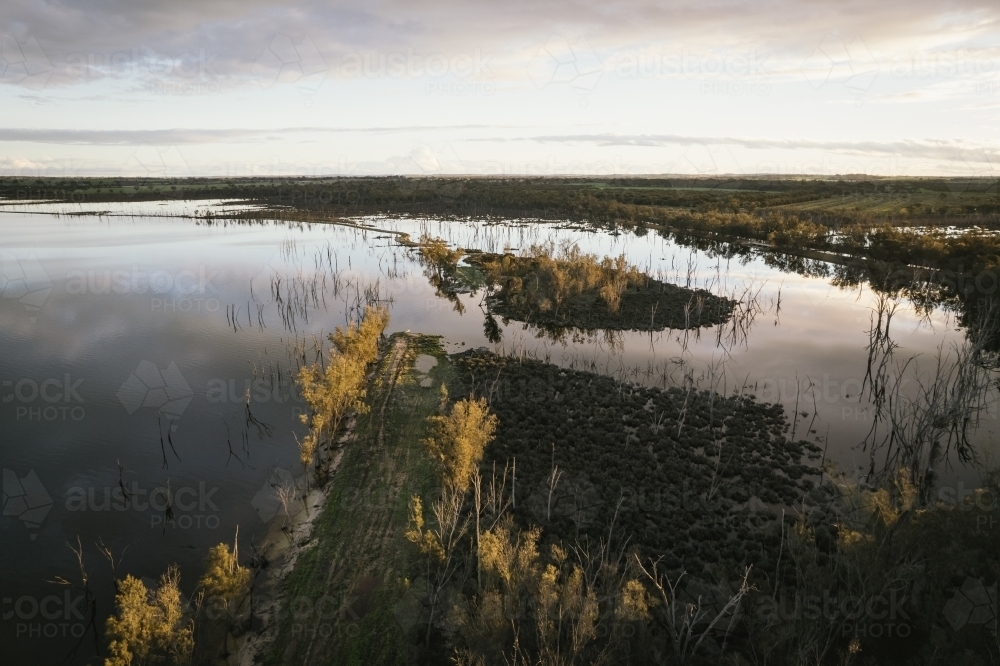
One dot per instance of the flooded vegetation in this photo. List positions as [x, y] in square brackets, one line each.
[568, 292]
[686, 474]
[488, 421]
[557, 291]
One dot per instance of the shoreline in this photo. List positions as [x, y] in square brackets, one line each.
[346, 563]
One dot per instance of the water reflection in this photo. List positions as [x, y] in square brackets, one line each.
[151, 358]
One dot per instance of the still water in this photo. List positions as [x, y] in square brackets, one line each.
[147, 350]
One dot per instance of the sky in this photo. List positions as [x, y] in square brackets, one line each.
[234, 88]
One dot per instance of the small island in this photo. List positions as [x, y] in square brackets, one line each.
[565, 288]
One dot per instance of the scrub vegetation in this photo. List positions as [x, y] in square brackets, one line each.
[943, 224]
[561, 289]
[494, 510]
[713, 540]
[334, 386]
[160, 626]
[564, 291]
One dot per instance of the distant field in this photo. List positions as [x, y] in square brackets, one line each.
[901, 204]
[575, 197]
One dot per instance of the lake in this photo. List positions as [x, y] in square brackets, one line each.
[146, 350]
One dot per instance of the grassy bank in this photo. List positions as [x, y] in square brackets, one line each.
[344, 602]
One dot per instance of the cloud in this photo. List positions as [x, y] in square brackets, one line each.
[16, 163]
[556, 69]
[431, 160]
[190, 136]
[441, 158]
[938, 149]
[941, 148]
[227, 39]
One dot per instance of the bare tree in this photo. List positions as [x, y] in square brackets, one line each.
[688, 624]
[439, 544]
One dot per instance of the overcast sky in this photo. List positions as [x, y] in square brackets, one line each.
[272, 87]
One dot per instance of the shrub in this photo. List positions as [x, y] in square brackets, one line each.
[149, 627]
[225, 580]
[339, 388]
[459, 439]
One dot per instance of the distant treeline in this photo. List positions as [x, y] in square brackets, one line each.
[590, 199]
[933, 223]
